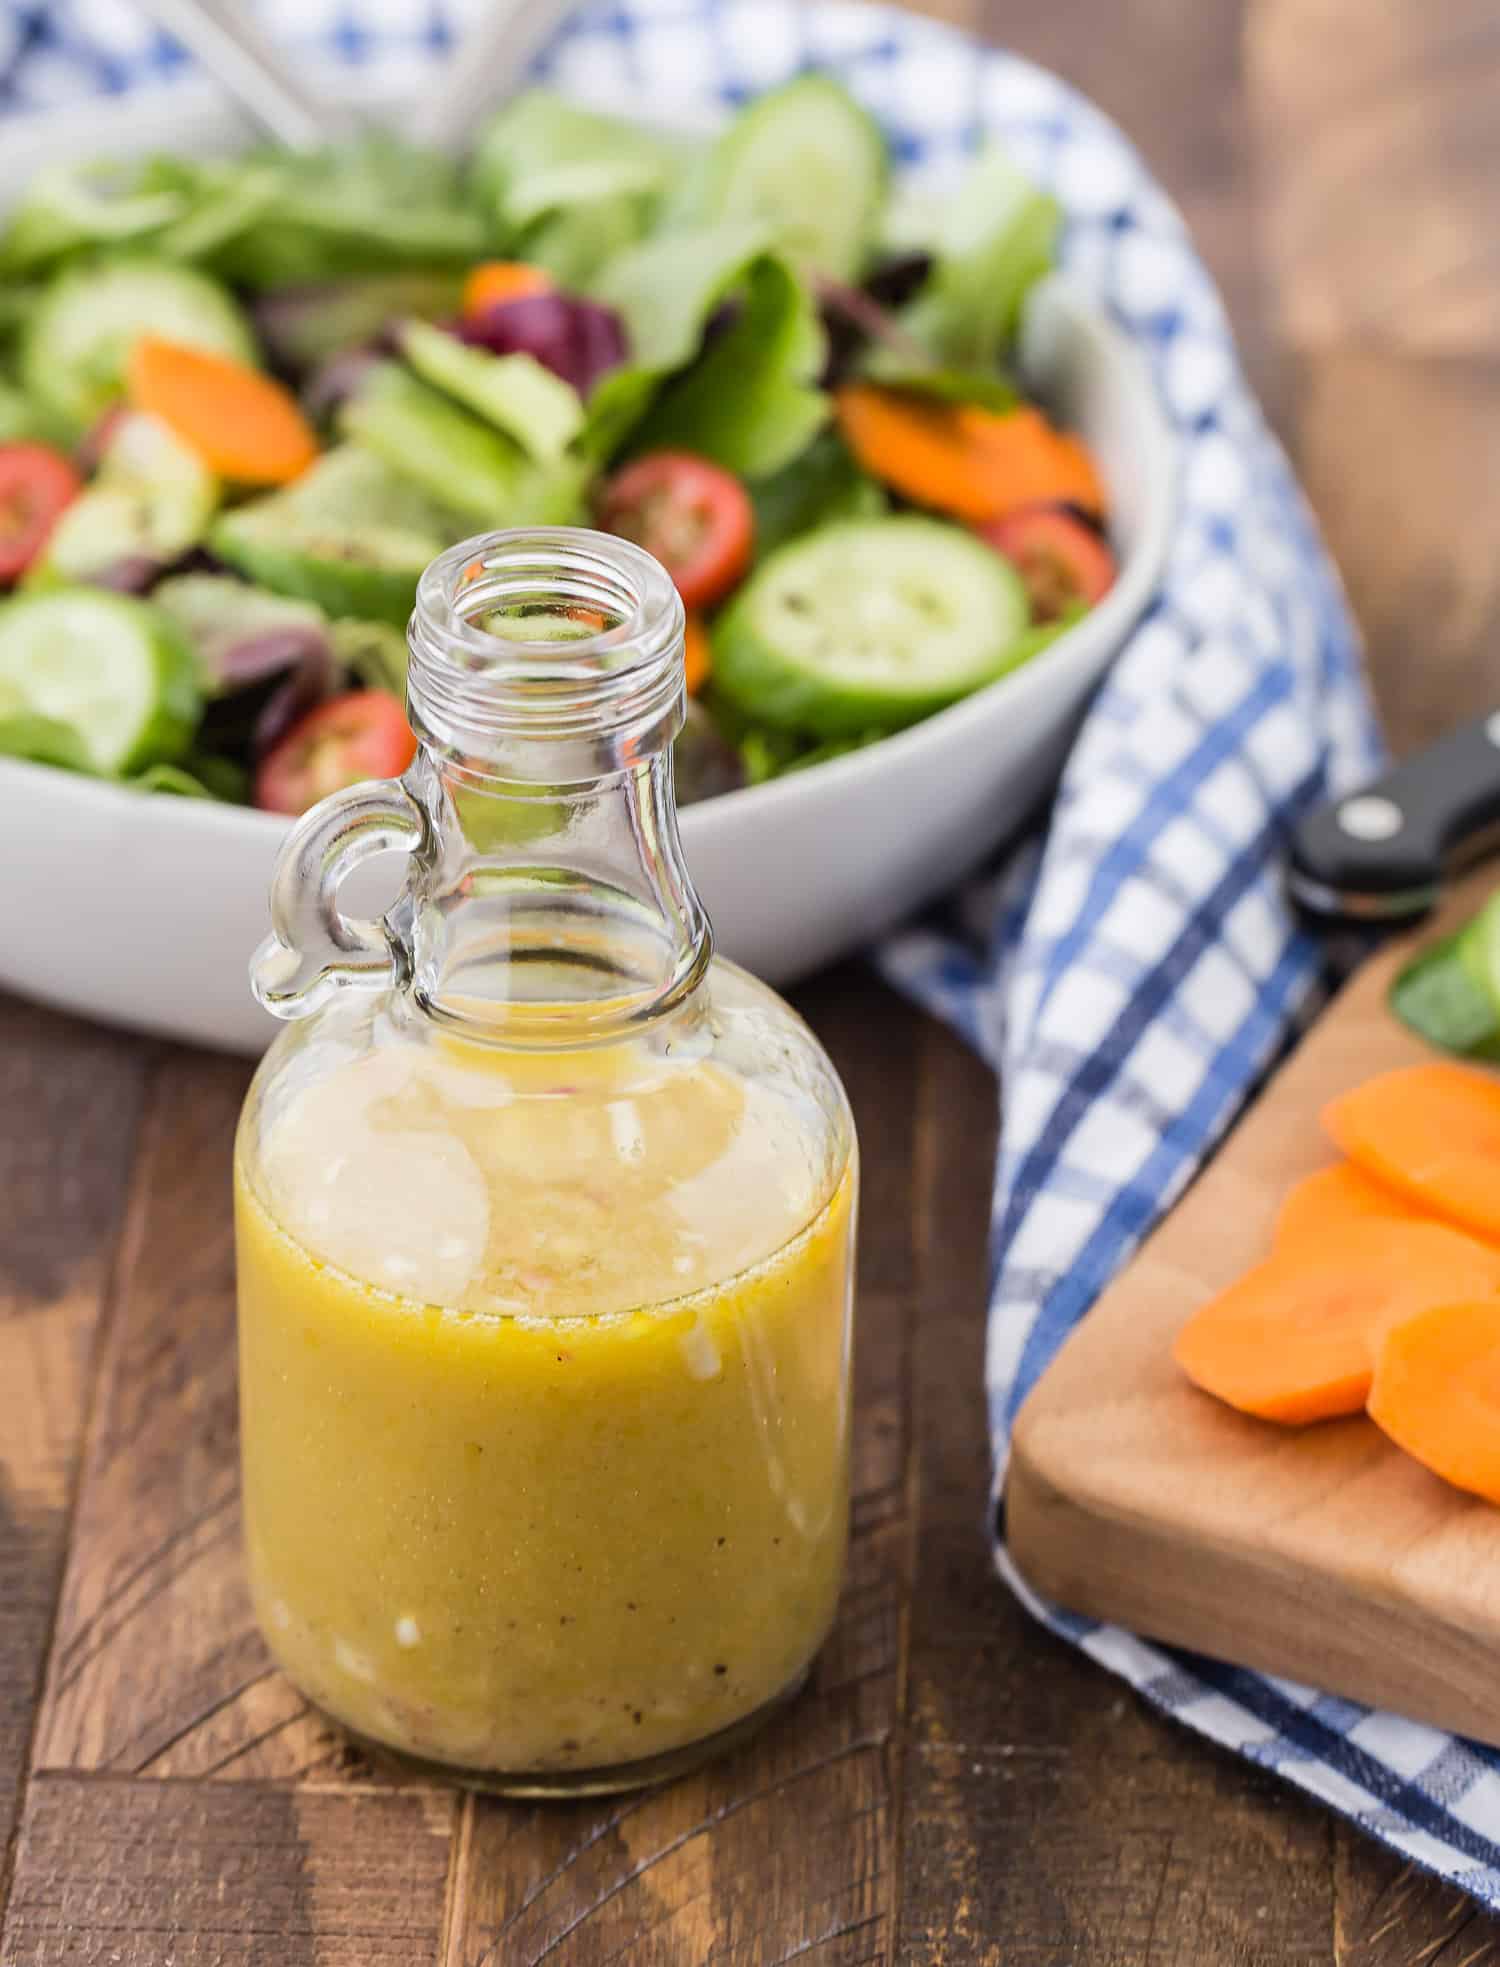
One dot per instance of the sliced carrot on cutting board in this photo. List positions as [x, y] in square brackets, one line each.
[974, 463]
[1436, 1392]
[1333, 1198]
[244, 425]
[1295, 1338]
[1432, 1132]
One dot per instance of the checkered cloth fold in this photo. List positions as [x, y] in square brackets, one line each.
[1132, 974]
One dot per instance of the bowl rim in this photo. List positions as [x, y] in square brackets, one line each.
[1110, 620]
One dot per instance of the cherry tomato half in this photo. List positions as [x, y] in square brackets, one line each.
[695, 518]
[36, 482]
[360, 735]
[1062, 560]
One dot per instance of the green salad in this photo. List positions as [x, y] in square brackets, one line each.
[244, 403]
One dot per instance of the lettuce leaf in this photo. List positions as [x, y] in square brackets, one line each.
[996, 239]
[280, 219]
[541, 412]
[541, 157]
[824, 484]
[67, 208]
[200, 776]
[572, 244]
[23, 421]
[750, 402]
[375, 651]
[427, 438]
[664, 292]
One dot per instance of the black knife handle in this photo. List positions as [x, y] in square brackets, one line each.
[1381, 851]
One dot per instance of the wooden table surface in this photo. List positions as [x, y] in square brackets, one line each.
[957, 1787]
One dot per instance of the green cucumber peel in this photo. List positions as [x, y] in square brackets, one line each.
[811, 164]
[1449, 994]
[110, 667]
[997, 237]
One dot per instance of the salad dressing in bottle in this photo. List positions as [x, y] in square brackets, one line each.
[544, 1228]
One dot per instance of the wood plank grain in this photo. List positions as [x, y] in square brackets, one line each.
[70, 1098]
[1401, 458]
[157, 1667]
[783, 1850]
[156, 1664]
[227, 1875]
[1049, 1815]
[1171, 1860]
[1392, 1914]
[1377, 137]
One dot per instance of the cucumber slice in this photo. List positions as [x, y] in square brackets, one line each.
[810, 162]
[870, 623]
[1450, 994]
[76, 343]
[110, 667]
[152, 499]
[349, 534]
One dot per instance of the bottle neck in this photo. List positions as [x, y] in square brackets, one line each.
[547, 914]
[546, 901]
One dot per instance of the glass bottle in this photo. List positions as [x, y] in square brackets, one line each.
[544, 1227]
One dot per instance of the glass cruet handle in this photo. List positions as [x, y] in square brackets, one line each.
[314, 949]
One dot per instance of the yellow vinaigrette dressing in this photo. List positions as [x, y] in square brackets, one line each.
[544, 1348]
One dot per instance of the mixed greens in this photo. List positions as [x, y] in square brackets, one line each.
[243, 403]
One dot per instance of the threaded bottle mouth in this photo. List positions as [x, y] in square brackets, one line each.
[547, 652]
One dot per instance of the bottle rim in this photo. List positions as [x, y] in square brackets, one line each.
[481, 672]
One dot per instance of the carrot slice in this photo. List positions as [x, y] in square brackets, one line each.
[1295, 1338]
[958, 458]
[1331, 1200]
[1432, 1132]
[494, 282]
[241, 423]
[698, 654]
[1024, 452]
[1436, 1392]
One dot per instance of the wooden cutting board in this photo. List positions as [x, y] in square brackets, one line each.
[1321, 1553]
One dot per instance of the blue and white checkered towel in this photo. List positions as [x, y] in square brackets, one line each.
[1132, 975]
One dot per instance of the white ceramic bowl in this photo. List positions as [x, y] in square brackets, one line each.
[143, 909]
